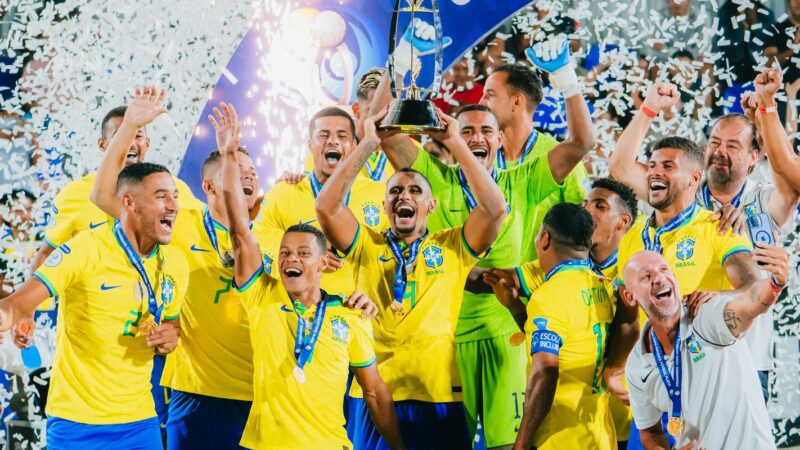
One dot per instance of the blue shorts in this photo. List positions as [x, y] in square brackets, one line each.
[160, 396]
[68, 435]
[199, 422]
[423, 425]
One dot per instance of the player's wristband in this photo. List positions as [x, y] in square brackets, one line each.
[648, 112]
[770, 109]
[775, 287]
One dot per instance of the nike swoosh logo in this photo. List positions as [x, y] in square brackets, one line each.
[103, 287]
[285, 309]
[309, 222]
[195, 248]
[382, 259]
[92, 225]
[644, 378]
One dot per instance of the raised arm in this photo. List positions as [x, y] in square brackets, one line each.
[484, 222]
[337, 221]
[142, 110]
[400, 150]
[552, 56]
[246, 252]
[740, 312]
[741, 270]
[623, 164]
[539, 396]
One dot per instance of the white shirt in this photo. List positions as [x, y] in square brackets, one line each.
[721, 399]
[760, 336]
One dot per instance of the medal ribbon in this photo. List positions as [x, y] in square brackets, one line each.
[677, 221]
[565, 265]
[380, 165]
[316, 186]
[304, 345]
[610, 261]
[671, 382]
[706, 192]
[501, 157]
[400, 275]
[468, 195]
[136, 262]
[208, 224]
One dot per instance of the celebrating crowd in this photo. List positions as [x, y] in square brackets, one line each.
[397, 297]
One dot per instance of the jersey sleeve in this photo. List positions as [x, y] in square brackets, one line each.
[576, 185]
[270, 212]
[61, 226]
[530, 276]
[257, 289]
[362, 345]
[729, 244]
[550, 324]
[537, 177]
[645, 413]
[179, 274]
[68, 264]
[710, 322]
[439, 174]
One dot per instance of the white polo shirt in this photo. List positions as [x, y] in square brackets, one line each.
[721, 399]
[754, 200]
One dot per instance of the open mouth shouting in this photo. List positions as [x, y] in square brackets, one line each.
[167, 222]
[480, 152]
[292, 272]
[132, 156]
[332, 156]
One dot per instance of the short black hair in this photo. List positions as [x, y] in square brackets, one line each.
[523, 79]
[16, 195]
[475, 107]
[310, 229]
[136, 173]
[213, 158]
[754, 145]
[417, 172]
[689, 147]
[119, 111]
[626, 198]
[331, 111]
[570, 225]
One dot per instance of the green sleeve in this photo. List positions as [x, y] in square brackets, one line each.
[538, 178]
[576, 185]
[439, 174]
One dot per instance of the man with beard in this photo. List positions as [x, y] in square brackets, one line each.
[417, 276]
[731, 154]
[697, 371]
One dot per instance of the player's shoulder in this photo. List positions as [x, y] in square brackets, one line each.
[347, 316]
[77, 190]
[284, 191]
[449, 237]
[368, 188]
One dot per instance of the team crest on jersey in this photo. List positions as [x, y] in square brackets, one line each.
[695, 349]
[340, 329]
[685, 249]
[372, 214]
[266, 261]
[55, 258]
[433, 256]
[167, 288]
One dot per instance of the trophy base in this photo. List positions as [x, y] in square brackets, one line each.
[411, 117]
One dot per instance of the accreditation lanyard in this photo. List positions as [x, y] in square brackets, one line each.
[316, 186]
[501, 157]
[568, 265]
[610, 261]
[470, 197]
[208, 224]
[677, 221]
[672, 382]
[706, 193]
[304, 345]
[376, 172]
[400, 274]
[136, 262]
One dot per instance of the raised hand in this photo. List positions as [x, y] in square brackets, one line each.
[452, 128]
[147, 104]
[773, 259]
[551, 55]
[360, 301]
[503, 286]
[226, 126]
[371, 131]
[767, 84]
[661, 97]
[749, 105]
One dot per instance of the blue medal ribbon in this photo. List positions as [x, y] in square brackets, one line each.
[316, 186]
[136, 262]
[610, 261]
[468, 195]
[564, 265]
[671, 381]
[304, 345]
[208, 224]
[677, 221]
[706, 193]
[376, 173]
[400, 275]
[501, 157]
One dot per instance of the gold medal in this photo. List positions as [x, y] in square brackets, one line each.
[299, 375]
[398, 309]
[145, 328]
[517, 339]
[675, 426]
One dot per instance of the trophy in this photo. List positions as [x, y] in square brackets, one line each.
[411, 111]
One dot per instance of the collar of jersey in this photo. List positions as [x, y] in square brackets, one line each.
[689, 219]
[153, 253]
[332, 300]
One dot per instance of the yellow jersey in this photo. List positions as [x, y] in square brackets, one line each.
[416, 350]
[74, 212]
[215, 357]
[286, 205]
[377, 167]
[101, 370]
[288, 414]
[569, 316]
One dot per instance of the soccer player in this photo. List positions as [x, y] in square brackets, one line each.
[121, 290]
[331, 139]
[731, 154]
[418, 277]
[698, 371]
[303, 339]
